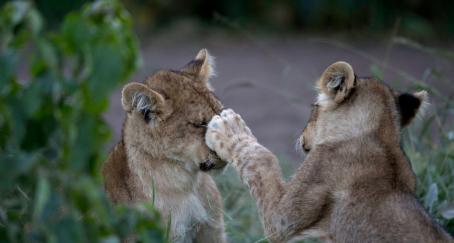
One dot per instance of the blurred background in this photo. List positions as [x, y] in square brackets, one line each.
[268, 56]
[269, 53]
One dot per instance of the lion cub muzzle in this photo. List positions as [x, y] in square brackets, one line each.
[212, 164]
[207, 165]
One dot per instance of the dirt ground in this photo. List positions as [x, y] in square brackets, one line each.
[270, 80]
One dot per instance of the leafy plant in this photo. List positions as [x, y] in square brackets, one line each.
[54, 87]
[430, 147]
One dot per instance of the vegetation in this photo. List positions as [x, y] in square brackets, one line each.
[417, 19]
[54, 87]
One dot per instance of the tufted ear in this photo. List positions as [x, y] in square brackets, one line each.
[336, 83]
[136, 97]
[410, 105]
[202, 67]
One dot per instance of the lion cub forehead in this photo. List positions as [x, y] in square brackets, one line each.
[183, 90]
[171, 84]
[167, 79]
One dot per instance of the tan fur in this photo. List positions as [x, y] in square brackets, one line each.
[355, 185]
[163, 146]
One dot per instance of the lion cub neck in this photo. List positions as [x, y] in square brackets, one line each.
[165, 175]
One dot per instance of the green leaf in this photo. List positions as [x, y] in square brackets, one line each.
[431, 196]
[448, 213]
[41, 196]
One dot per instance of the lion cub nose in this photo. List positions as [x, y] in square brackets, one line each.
[206, 165]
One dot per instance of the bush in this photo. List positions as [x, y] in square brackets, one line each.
[54, 87]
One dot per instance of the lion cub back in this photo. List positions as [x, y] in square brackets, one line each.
[353, 140]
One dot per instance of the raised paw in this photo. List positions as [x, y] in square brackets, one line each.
[236, 123]
[225, 131]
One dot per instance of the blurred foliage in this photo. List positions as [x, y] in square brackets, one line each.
[429, 144]
[54, 87]
[416, 18]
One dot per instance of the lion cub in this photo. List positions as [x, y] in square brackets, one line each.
[355, 185]
[163, 150]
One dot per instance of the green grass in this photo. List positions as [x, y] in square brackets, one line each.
[240, 213]
[429, 145]
[241, 216]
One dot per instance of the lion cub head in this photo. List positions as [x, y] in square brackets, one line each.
[349, 107]
[168, 113]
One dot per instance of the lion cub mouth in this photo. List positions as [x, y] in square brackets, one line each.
[207, 165]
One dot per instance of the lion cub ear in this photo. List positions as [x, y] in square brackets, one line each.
[202, 67]
[151, 105]
[336, 83]
[410, 105]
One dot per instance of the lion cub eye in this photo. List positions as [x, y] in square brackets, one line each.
[146, 113]
[203, 124]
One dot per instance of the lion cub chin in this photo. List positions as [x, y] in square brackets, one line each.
[355, 185]
[163, 150]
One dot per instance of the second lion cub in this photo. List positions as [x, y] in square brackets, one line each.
[355, 185]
